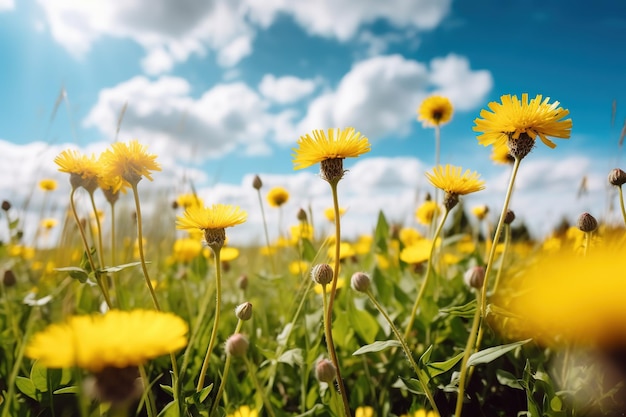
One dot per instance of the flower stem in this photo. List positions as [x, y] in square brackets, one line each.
[328, 312]
[98, 228]
[469, 348]
[507, 243]
[621, 203]
[267, 236]
[216, 320]
[252, 373]
[81, 230]
[407, 351]
[429, 270]
[220, 390]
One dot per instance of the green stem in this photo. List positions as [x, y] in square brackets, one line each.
[81, 230]
[220, 390]
[469, 348]
[587, 243]
[507, 243]
[98, 228]
[407, 351]
[149, 401]
[328, 312]
[252, 372]
[437, 152]
[216, 321]
[496, 237]
[429, 270]
[621, 203]
[267, 236]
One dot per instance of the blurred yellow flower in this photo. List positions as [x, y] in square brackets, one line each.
[25, 252]
[565, 297]
[363, 245]
[301, 231]
[48, 184]
[129, 161]
[416, 253]
[453, 181]
[48, 223]
[365, 411]
[421, 413]
[228, 254]
[435, 111]
[244, 411]
[329, 213]
[346, 250]
[514, 117]
[186, 249]
[341, 282]
[466, 244]
[409, 236]
[480, 211]
[298, 268]
[188, 200]
[501, 154]
[117, 339]
[339, 144]
[277, 196]
[426, 212]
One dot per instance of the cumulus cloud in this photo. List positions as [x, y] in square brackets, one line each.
[287, 89]
[380, 94]
[6, 5]
[171, 31]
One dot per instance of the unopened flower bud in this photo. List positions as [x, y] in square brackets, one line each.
[360, 282]
[302, 215]
[509, 217]
[242, 282]
[237, 345]
[617, 177]
[257, 183]
[9, 279]
[474, 277]
[322, 274]
[587, 223]
[325, 371]
[6, 206]
[244, 311]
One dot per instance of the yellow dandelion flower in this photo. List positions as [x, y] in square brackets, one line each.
[341, 282]
[268, 250]
[346, 250]
[339, 144]
[466, 244]
[422, 413]
[212, 221]
[117, 339]
[571, 298]
[277, 196]
[186, 249]
[229, 254]
[48, 184]
[84, 170]
[435, 111]
[426, 212]
[188, 200]
[514, 119]
[364, 411]
[450, 259]
[417, 253]
[453, 181]
[298, 268]
[48, 223]
[301, 231]
[329, 213]
[480, 211]
[244, 411]
[129, 161]
[363, 244]
[409, 236]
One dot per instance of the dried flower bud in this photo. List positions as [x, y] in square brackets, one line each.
[237, 345]
[302, 215]
[509, 217]
[617, 177]
[9, 279]
[325, 371]
[257, 183]
[322, 274]
[244, 311]
[242, 282]
[360, 282]
[474, 277]
[6, 206]
[587, 223]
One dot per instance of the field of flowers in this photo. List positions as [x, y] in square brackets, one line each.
[134, 315]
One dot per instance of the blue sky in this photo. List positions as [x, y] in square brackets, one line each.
[221, 91]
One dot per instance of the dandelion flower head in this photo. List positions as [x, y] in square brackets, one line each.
[337, 144]
[435, 111]
[453, 180]
[244, 411]
[425, 213]
[129, 161]
[277, 196]
[117, 339]
[83, 169]
[512, 118]
[218, 216]
[48, 184]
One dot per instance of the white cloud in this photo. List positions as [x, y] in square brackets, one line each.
[287, 89]
[381, 94]
[226, 117]
[6, 5]
[171, 31]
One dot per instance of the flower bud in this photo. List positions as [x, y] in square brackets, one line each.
[325, 371]
[322, 274]
[617, 177]
[242, 282]
[587, 223]
[302, 215]
[9, 278]
[509, 217]
[360, 282]
[244, 311]
[257, 183]
[474, 277]
[6, 206]
[237, 345]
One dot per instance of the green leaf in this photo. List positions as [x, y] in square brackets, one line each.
[27, 387]
[377, 346]
[468, 310]
[67, 390]
[434, 369]
[120, 267]
[308, 251]
[292, 357]
[413, 385]
[426, 355]
[39, 377]
[76, 273]
[364, 324]
[382, 232]
[493, 353]
[508, 379]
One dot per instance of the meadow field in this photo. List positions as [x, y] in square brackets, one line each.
[127, 313]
